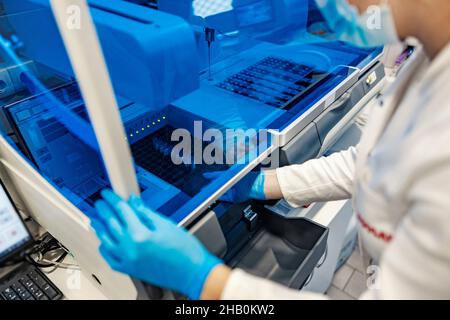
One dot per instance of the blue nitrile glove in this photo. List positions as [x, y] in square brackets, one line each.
[147, 246]
[249, 187]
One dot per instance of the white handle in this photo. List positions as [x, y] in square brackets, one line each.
[88, 63]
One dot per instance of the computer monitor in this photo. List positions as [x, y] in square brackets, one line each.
[265, 18]
[14, 235]
[52, 147]
[259, 19]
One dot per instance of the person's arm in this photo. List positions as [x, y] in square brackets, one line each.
[325, 179]
[272, 188]
[216, 282]
[226, 284]
[415, 265]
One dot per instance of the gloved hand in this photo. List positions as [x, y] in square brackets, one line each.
[139, 242]
[249, 187]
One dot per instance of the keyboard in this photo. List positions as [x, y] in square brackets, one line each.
[27, 282]
[273, 81]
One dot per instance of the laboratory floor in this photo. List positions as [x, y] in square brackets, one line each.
[349, 281]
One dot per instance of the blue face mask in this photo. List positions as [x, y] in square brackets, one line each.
[376, 27]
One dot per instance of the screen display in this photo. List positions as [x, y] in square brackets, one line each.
[13, 233]
[254, 13]
[53, 147]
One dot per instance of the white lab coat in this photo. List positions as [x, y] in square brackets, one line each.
[399, 179]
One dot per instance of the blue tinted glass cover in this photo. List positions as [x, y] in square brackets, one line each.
[187, 98]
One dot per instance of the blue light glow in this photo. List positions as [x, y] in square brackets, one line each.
[205, 8]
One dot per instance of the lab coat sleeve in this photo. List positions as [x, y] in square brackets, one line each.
[325, 179]
[416, 264]
[243, 286]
